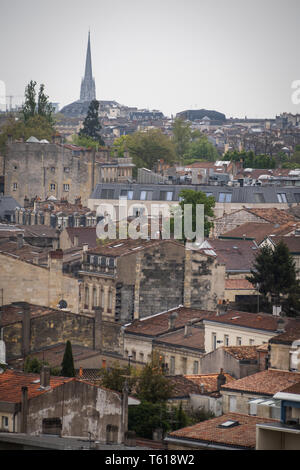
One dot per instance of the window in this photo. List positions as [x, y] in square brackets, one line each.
[258, 197]
[232, 403]
[196, 367]
[214, 340]
[52, 187]
[297, 197]
[52, 426]
[166, 195]
[66, 187]
[95, 297]
[52, 169]
[238, 341]
[226, 340]
[281, 197]
[111, 434]
[15, 186]
[66, 169]
[86, 295]
[107, 194]
[146, 195]
[172, 365]
[184, 364]
[4, 422]
[225, 197]
[125, 194]
[142, 357]
[251, 342]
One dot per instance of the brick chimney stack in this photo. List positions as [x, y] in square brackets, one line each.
[45, 376]
[24, 410]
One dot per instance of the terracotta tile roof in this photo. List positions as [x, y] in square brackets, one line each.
[242, 352]
[273, 215]
[238, 284]
[12, 381]
[293, 389]
[259, 231]
[25, 253]
[241, 436]
[260, 321]
[291, 333]
[208, 380]
[159, 324]
[129, 246]
[182, 386]
[292, 242]
[194, 339]
[237, 255]
[267, 382]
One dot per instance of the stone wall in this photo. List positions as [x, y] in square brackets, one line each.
[26, 282]
[204, 282]
[231, 221]
[81, 407]
[219, 359]
[30, 169]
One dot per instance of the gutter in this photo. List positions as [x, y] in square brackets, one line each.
[197, 444]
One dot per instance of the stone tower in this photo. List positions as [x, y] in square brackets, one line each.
[88, 88]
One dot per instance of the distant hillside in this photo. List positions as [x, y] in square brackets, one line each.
[199, 114]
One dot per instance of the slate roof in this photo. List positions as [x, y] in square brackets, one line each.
[7, 206]
[267, 382]
[12, 381]
[85, 235]
[241, 436]
[244, 194]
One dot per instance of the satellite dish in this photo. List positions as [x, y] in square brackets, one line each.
[62, 304]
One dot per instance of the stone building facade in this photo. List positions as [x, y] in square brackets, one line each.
[49, 169]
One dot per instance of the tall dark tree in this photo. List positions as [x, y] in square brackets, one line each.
[276, 276]
[29, 107]
[91, 125]
[67, 365]
[44, 108]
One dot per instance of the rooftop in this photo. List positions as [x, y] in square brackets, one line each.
[159, 324]
[258, 231]
[242, 435]
[260, 321]
[12, 381]
[267, 382]
[242, 352]
[237, 255]
[208, 380]
[194, 339]
[125, 247]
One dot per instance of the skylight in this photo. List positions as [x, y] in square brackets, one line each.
[229, 424]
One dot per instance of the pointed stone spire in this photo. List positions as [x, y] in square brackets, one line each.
[88, 88]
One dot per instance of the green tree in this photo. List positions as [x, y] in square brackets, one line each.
[34, 365]
[114, 377]
[148, 416]
[67, 365]
[201, 148]
[182, 135]
[275, 274]
[146, 148]
[189, 196]
[31, 107]
[91, 124]
[152, 386]
[119, 145]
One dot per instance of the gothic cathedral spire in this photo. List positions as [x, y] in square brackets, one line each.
[88, 88]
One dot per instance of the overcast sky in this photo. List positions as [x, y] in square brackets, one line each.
[238, 57]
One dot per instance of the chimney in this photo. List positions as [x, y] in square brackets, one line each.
[24, 410]
[221, 380]
[202, 388]
[20, 240]
[55, 260]
[172, 319]
[98, 329]
[276, 310]
[45, 376]
[76, 240]
[85, 246]
[25, 327]
[188, 329]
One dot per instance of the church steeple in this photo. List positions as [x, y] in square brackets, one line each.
[88, 88]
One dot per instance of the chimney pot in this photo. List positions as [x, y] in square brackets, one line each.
[45, 376]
